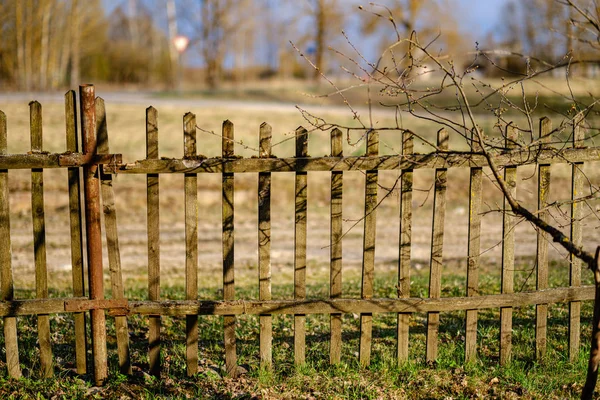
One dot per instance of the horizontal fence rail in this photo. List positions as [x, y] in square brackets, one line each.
[450, 159]
[290, 307]
[99, 166]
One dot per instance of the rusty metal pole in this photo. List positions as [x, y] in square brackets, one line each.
[93, 231]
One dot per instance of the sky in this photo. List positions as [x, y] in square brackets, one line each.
[482, 15]
[478, 18]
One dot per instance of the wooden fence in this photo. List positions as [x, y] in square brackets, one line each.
[99, 166]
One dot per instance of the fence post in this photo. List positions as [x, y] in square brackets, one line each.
[112, 240]
[437, 246]
[508, 251]
[368, 263]
[190, 182]
[39, 240]
[228, 248]
[75, 220]
[6, 273]
[406, 184]
[93, 230]
[541, 310]
[473, 250]
[577, 187]
[300, 204]
[335, 240]
[264, 248]
[153, 218]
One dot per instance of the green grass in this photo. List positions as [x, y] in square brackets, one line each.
[449, 377]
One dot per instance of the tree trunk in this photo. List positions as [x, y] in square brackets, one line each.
[133, 23]
[60, 77]
[56, 42]
[28, 44]
[172, 21]
[75, 79]
[45, 42]
[594, 361]
[320, 40]
[20, 73]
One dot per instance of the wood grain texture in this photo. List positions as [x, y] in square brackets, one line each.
[264, 247]
[112, 241]
[308, 306]
[368, 263]
[153, 227]
[39, 240]
[301, 199]
[577, 185]
[437, 245]
[38, 160]
[541, 310]
[473, 252]
[335, 242]
[406, 187]
[75, 218]
[327, 306]
[451, 159]
[228, 258]
[508, 252]
[191, 243]
[248, 165]
[6, 273]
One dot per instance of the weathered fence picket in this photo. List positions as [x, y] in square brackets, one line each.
[300, 203]
[6, 274]
[437, 246]
[98, 166]
[473, 251]
[228, 247]
[190, 182]
[577, 182]
[541, 310]
[112, 240]
[406, 183]
[39, 239]
[264, 248]
[368, 266]
[153, 221]
[75, 215]
[508, 250]
[335, 242]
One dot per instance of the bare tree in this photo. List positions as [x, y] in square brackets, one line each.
[75, 43]
[172, 24]
[458, 99]
[215, 25]
[47, 44]
[327, 17]
[430, 18]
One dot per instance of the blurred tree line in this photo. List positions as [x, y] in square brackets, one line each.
[548, 32]
[50, 44]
